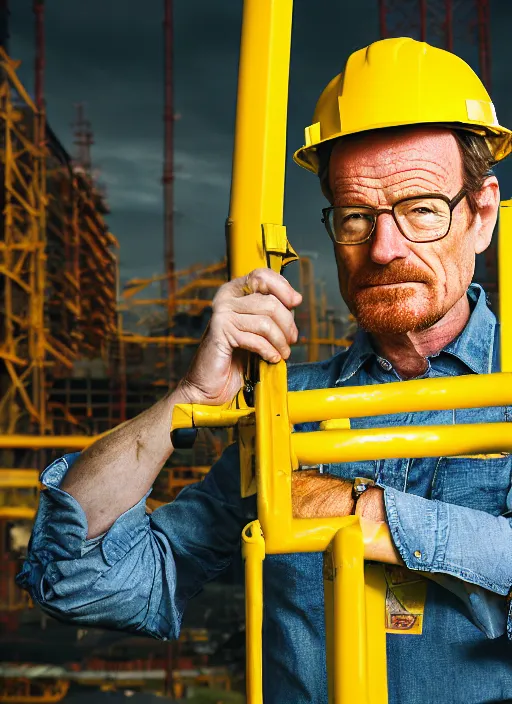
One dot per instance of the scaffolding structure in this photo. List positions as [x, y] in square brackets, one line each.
[57, 266]
[67, 368]
[321, 331]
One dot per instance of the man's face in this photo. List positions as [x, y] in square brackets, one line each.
[392, 285]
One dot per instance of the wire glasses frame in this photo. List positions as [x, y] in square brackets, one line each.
[367, 217]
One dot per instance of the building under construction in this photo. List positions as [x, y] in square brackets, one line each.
[67, 368]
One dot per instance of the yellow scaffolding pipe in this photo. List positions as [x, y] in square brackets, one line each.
[478, 391]
[47, 442]
[326, 446]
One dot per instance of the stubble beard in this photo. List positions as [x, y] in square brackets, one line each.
[395, 310]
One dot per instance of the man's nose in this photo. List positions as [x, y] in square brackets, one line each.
[387, 241]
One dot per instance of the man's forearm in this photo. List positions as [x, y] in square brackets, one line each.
[114, 473]
[320, 496]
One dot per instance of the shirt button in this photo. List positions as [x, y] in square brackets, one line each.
[417, 554]
[384, 364]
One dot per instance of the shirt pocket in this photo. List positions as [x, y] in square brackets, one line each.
[481, 482]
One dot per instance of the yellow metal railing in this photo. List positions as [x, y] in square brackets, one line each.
[354, 596]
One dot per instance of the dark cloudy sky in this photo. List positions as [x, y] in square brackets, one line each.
[109, 55]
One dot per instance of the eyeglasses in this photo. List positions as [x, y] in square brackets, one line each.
[424, 218]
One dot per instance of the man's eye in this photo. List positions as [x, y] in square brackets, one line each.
[423, 210]
[355, 216]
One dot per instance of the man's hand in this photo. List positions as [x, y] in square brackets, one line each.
[316, 495]
[253, 313]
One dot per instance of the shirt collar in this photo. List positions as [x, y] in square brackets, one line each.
[356, 355]
[474, 346]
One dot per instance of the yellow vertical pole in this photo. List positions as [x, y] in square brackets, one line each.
[257, 190]
[9, 240]
[39, 240]
[349, 641]
[307, 286]
[328, 575]
[505, 284]
[253, 551]
[256, 213]
[375, 603]
[354, 598]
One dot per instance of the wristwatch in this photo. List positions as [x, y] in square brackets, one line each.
[360, 485]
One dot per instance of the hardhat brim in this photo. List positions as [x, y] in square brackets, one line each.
[499, 141]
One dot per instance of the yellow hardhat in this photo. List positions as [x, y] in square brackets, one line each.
[403, 82]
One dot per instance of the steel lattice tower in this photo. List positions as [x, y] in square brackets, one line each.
[168, 174]
[462, 26]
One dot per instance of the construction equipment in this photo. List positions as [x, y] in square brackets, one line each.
[354, 596]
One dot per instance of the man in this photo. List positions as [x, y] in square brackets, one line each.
[412, 202]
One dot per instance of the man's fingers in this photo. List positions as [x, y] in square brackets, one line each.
[259, 304]
[252, 313]
[265, 327]
[267, 282]
[257, 344]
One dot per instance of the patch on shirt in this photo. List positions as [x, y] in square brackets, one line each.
[405, 601]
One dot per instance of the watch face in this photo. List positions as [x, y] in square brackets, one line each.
[361, 484]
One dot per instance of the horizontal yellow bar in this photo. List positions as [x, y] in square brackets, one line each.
[162, 340]
[47, 442]
[301, 534]
[19, 478]
[323, 447]
[475, 391]
[21, 513]
[194, 415]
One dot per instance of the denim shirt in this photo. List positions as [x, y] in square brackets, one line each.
[447, 516]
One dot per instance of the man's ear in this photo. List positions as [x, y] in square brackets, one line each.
[487, 202]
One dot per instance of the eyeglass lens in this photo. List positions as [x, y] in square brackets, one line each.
[421, 219]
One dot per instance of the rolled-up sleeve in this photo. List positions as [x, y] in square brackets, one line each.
[465, 543]
[139, 575]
